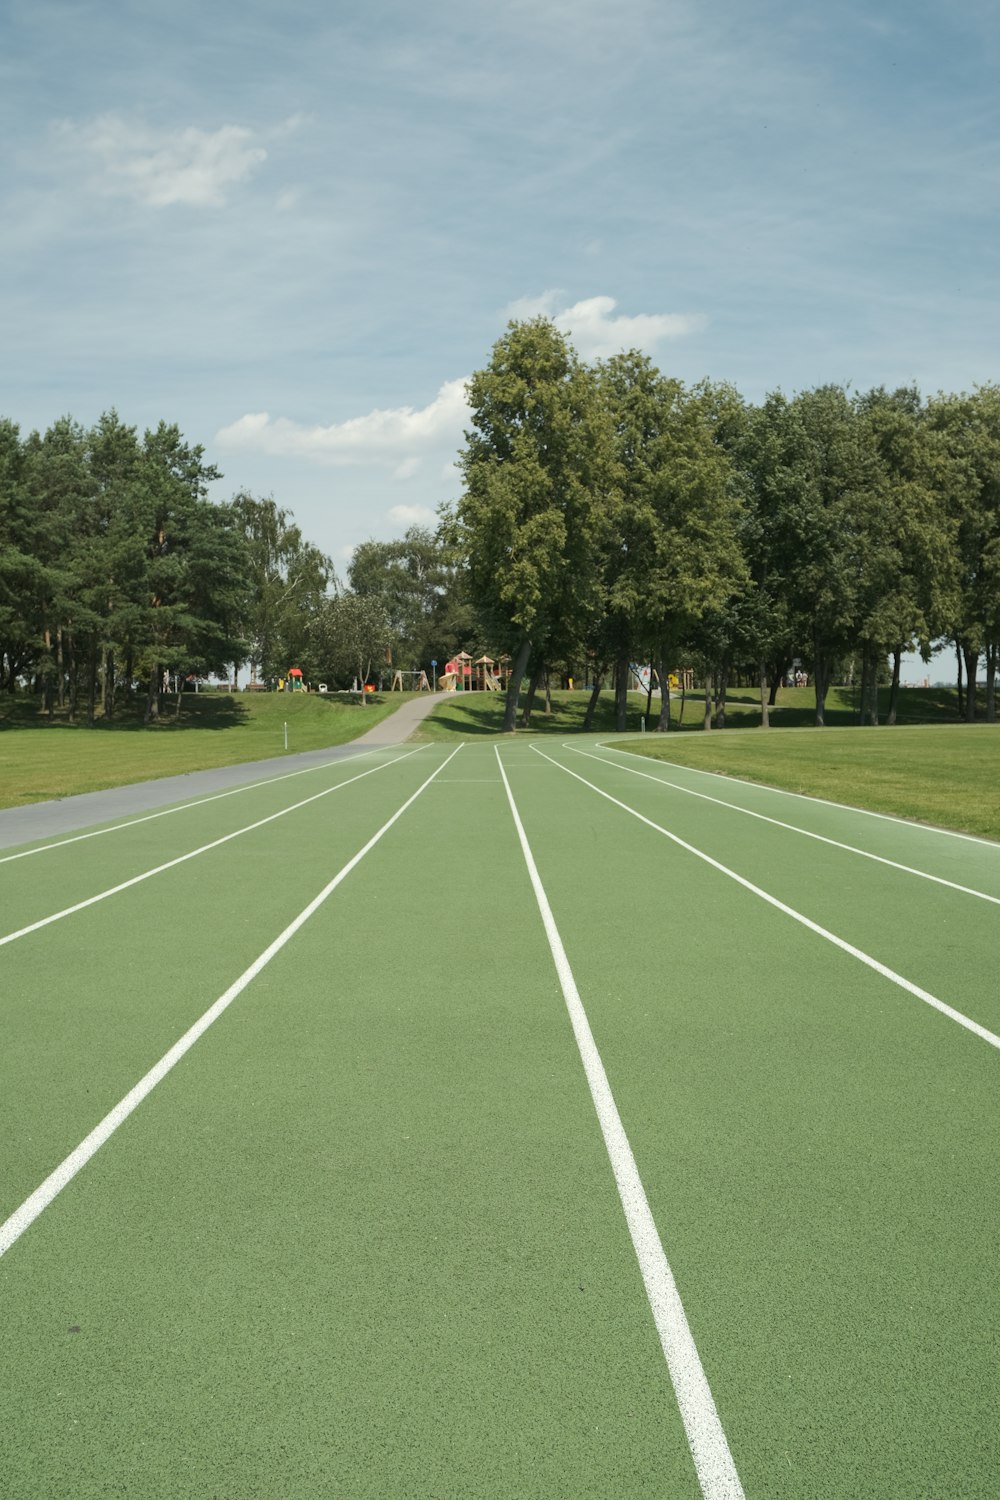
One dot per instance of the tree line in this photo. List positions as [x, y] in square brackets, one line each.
[117, 571]
[119, 576]
[611, 515]
[608, 515]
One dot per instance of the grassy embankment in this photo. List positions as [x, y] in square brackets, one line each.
[482, 713]
[930, 766]
[40, 760]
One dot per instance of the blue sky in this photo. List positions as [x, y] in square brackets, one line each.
[295, 230]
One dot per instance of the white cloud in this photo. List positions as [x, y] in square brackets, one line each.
[542, 306]
[406, 469]
[386, 436]
[411, 515]
[162, 167]
[596, 334]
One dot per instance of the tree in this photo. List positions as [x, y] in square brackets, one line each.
[536, 472]
[907, 573]
[58, 487]
[639, 402]
[969, 429]
[417, 580]
[698, 565]
[195, 574]
[816, 467]
[350, 632]
[287, 581]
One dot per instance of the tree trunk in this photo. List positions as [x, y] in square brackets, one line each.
[621, 694]
[514, 685]
[971, 667]
[73, 676]
[991, 683]
[822, 681]
[765, 718]
[961, 700]
[708, 700]
[548, 695]
[153, 695]
[109, 684]
[869, 684]
[529, 702]
[778, 669]
[588, 718]
[897, 657]
[92, 684]
[48, 704]
[722, 684]
[663, 723]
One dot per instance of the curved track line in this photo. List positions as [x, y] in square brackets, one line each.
[780, 791]
[24, 1216]
[165, 812]
[966, 890]
[797, 916]
[181, 859]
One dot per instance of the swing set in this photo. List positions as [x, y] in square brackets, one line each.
[410, 682]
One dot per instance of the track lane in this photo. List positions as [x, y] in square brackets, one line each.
[941, 850]
[366, 1231]
[32, 848]
[937, 939]
[89, 1005]
[825, 1177]
[30, 896]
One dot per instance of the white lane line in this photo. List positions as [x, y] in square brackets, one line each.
[780, 791]
[22, 1217]
[125, 885]
[966, 890]
[95, 833]
[712, 1459]
[797, 916]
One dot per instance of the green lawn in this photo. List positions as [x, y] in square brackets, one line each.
[39, 760]
[464, 714]
[942, 774]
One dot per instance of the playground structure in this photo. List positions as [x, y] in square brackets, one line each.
[412, 682]
[484, 675]
[641, 678]
[292, 682]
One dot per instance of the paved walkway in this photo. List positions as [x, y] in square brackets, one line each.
[43, 820]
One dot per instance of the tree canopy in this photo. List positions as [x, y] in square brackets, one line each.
[608, 515]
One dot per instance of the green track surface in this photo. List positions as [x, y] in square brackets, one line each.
[364, 1239]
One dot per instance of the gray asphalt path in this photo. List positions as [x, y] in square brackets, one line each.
[43, 820]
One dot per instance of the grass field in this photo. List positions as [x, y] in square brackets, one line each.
[39, 760]
[948, 775]
[501, 1119]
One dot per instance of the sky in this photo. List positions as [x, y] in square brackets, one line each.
[296, 230]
